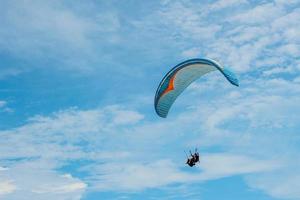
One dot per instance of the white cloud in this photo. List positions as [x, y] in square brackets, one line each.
[189, 22]
[6, 187]
[9, 71]
[253, 36]
[278, 70]
[135, 176]
[287, 3]
[222, 165]
[45, 144]
[64, 188]
[222, 4]
[3, 168]
[279, 184]
[290, 49]
[2, 103]
[140, 176]
[256, 109]
[263, 13]
[63, 131]
[125, 117]
[38, 31]
[4, 107]
[31, 180]
[51, 20]
[297, 79]
[191, 53]
[248, 34]
[287, 25]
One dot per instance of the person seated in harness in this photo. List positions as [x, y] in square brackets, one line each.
[193, 159]
[190, 162]
[196, 156]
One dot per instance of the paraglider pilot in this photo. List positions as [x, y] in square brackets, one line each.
[193, 159]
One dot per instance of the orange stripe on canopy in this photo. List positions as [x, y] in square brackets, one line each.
[170, 86]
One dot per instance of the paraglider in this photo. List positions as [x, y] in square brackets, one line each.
[181, 76]
[178, 79]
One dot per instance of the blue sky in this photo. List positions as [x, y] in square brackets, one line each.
[77, 82]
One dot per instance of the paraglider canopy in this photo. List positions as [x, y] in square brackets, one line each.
[181, 76]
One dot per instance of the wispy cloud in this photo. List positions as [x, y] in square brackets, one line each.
[140, 176]
[249, 33]
[2, 103]
[278, 70]
[4, 107]
[54, 31]
[9, 71]
[40, 147]
[30, 179]
[6, 187]
[277, 186]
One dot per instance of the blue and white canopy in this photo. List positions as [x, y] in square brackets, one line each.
[181, 76]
